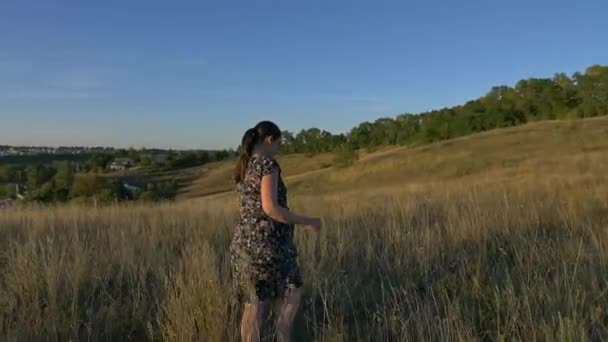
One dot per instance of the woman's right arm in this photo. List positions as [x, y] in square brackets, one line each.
[271, 207]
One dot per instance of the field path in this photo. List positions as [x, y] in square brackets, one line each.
[364, 158]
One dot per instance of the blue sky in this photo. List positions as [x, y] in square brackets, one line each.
[196, 74]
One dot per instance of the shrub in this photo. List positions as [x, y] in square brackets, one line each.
[345, 155]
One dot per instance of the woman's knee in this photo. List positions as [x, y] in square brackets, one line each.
[294, 295]
[255, 309]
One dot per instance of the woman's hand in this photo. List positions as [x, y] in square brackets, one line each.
[313, 224]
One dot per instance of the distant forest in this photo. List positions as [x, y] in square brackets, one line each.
[581, 95]
[44, 158]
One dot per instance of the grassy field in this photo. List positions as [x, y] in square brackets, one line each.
[498, 236]
[543, 150]
[215, 178]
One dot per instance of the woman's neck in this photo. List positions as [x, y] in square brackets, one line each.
[258, 151]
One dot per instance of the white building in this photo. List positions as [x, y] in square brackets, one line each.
[120, 164]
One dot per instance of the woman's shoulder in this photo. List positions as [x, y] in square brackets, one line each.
[265, 165]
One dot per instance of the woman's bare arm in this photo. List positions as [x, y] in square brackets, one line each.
[271, 207]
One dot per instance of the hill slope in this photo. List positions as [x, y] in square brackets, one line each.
[499, 236]
[543, 149]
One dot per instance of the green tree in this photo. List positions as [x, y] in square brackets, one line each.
[12, 173]
[166, 190]
[117, 191]
[37, 175]
[593, 91]
[289, 143]
[11, 190]
[44, 193]
[64, 174]
[203, 157]
[409, 128]
[99, 162]
[345, 155]
[221, 155]
[360, 136]
[146, 161]
[85, 185]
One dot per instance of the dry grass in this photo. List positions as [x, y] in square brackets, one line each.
[217, 177]
[495, 253]
[552, 149]
[549, 148]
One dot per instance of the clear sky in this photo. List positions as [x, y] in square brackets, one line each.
[196, 74]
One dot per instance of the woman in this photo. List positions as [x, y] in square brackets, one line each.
[262, 252]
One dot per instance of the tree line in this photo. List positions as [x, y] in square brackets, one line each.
[580, 95]
[84, 181]
[64, 181]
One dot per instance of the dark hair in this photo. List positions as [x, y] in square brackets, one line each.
[252, 137]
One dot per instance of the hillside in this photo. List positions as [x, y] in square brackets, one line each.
[216, 177]
[580, 95]
[544, 149]
[497, 236]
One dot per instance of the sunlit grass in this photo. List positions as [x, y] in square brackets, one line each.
[513, 247]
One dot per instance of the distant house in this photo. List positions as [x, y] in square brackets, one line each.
[120, 164]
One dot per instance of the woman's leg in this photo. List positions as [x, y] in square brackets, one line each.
[285, 309]
[251, 322]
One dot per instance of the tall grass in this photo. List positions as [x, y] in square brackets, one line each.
[523, 260]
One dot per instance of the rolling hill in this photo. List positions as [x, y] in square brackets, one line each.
[543, 149]
[496, 236]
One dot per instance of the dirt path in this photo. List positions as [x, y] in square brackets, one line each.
[365, 158]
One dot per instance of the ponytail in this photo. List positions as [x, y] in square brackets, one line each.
[248, 143]
[252, 137]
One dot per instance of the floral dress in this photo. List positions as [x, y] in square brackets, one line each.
[262, 252]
